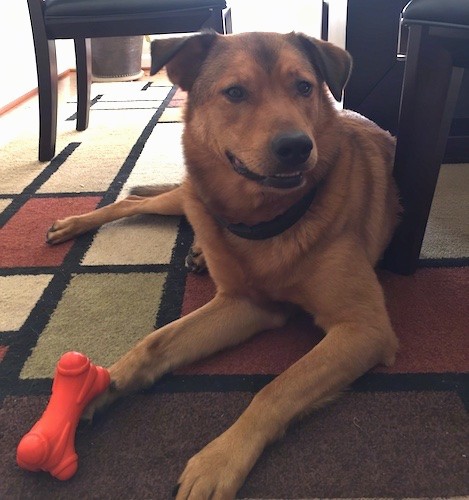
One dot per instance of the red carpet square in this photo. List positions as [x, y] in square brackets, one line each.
[22, 239]
[430, 312]
[272, 351]
[421, 307]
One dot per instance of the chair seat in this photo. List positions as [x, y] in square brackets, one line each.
[444, 13]
[102, 18]
[85, 8]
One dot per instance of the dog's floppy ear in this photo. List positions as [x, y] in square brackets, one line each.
[333, 63]
[182, 56]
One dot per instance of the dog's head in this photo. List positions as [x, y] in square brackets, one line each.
[258, 102]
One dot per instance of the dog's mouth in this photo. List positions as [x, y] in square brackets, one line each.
[279, 181]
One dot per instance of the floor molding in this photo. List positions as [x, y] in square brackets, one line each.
[32, 93]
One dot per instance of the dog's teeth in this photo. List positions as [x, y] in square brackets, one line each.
[295, 174]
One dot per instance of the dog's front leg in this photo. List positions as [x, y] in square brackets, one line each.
[223, 322]
[167, 203]
[352, 311]
[219, 470]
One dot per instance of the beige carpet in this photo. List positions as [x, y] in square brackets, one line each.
[447, 233]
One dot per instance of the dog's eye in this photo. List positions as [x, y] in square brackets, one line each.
[235, 93]
[304, 88]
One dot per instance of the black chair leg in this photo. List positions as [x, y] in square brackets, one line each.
[429, 95]
[46, 64]
[47, 85]
[83, 62]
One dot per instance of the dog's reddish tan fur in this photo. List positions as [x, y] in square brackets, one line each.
[323, 263]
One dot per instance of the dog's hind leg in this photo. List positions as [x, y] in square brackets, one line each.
[195, 260]
[167, 203]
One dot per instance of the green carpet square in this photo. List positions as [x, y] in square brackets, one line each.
[101, 315]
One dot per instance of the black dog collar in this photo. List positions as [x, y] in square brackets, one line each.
[276, 226]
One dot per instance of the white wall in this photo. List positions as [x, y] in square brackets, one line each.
[17, 61]
[267, 15]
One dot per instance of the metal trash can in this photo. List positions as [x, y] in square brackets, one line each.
[116, 59]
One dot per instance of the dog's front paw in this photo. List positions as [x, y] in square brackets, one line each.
[211, 474]
[100, 403]
[62, 230]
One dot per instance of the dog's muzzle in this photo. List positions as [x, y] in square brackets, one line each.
[291, 151]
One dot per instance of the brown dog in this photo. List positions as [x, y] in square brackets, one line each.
[292, 203]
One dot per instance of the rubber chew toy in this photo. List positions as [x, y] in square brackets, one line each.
[50, 444]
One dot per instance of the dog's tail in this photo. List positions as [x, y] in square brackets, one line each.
[152, 190]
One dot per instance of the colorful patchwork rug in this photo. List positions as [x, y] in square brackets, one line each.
[397, 432]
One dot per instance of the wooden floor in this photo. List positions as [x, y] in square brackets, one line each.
[26, 114]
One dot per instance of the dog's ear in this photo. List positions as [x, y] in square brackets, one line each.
[333, 63]
[182, 56]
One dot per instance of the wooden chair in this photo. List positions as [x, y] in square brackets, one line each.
[437, 53]
[81, 20]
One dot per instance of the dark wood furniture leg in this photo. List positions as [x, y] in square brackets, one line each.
[46, 64]
[430, 90]
[83, 62]
[47, 84]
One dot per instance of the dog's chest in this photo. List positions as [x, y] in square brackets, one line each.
[266, 269]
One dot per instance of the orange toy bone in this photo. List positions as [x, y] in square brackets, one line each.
[49, 445]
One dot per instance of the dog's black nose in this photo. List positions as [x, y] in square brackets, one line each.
[292, 148]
